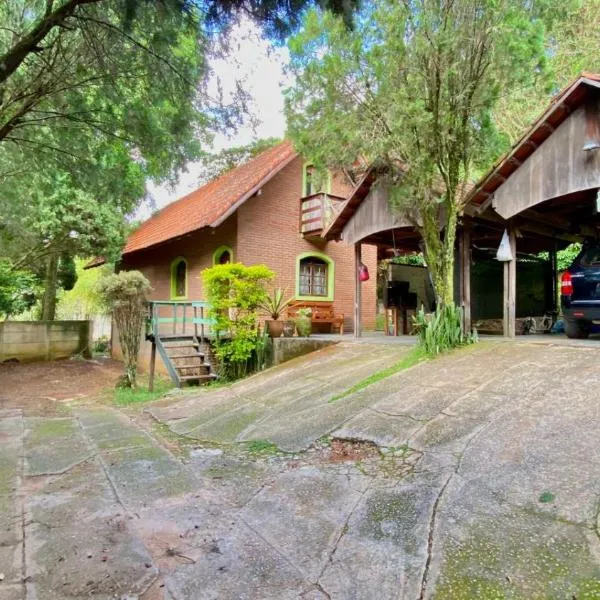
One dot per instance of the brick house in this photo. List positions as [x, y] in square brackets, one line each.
[266, 211]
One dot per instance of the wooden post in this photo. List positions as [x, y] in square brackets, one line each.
[554, 269]
[357, 294]
[152, 364]
[464, 243]
[510, 287]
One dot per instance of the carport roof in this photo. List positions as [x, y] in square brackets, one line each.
[563, 104]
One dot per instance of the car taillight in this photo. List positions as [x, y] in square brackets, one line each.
[566, 284]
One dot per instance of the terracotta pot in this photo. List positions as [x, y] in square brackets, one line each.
[274, 328]
[289, 328]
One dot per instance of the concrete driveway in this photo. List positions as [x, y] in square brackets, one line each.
[476, 475]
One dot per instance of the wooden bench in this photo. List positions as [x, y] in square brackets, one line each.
[322, 312]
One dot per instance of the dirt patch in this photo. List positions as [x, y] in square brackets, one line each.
[351, 450]
[40, 388]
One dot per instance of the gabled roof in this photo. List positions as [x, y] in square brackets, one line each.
[563, 104]
[570, 98]
[214, 202]
[358, 194]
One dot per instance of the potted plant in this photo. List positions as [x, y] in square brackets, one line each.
[304, 322]
[275, 304]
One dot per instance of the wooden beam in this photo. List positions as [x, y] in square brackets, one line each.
[152, 366]
[357, 294]
[510, 285]
[465, 275]
[485, 204]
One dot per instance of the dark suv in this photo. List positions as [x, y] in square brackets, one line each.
[580, 293]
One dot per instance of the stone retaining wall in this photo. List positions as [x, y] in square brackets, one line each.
[44, 340]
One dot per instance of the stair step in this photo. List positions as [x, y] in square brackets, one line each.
[195, 355]
[192, 366]
[197, 377]
[193, 345]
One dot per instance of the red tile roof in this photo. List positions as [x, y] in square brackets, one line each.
[211, 204]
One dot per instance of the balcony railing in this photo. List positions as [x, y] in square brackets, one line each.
[317, 212]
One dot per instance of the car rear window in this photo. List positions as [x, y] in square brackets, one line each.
[590, 258]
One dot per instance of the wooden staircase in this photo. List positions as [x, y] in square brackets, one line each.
[181, 341]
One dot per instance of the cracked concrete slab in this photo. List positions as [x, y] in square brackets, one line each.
[288, 405]
[487, 485]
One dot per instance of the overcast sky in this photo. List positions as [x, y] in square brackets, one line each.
[261, 67]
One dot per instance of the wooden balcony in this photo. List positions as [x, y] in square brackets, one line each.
[317, 212]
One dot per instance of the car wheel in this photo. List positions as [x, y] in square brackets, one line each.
[578, 330]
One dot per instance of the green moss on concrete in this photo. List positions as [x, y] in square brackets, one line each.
[535, 561]
[415, 356]
[262, 448]
[8, 473]
[46, 430]
[225, 429]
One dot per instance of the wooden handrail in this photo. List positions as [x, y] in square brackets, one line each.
[179, 317]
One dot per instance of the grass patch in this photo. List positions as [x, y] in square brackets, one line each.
[126, 396]
[262, 447]
[415, 356]
[546, 496]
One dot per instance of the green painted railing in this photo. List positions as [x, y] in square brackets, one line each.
[179, 318]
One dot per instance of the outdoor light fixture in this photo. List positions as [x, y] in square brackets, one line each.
[592, 127]
[591, 145]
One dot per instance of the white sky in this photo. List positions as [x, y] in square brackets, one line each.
[261, 67]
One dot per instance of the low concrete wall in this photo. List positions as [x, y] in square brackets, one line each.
[287, 348]
[44, 340]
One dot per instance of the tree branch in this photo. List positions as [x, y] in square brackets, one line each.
[12, 59]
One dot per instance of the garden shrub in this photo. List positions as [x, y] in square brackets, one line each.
[441, 330]
[125, 295]
[235, 293]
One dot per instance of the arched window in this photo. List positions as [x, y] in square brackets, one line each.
[179, 278]
[314, 276]
[223, 255]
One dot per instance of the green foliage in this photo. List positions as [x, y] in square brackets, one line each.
[67, 272]
[409, 259]
[412, 90]
[125, 295]
[546, 497]
[303, 322]
[84, 300]
[235, 293]
[214, 165]
[102, 345]
[440, 331]
[564, 258]
[124, 396]
[275, 303]
[18, 290]
[572, 46]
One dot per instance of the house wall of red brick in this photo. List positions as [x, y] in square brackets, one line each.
[269, 233]
[264, 230]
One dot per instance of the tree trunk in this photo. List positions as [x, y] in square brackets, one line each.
[50, 286]
[440, 254]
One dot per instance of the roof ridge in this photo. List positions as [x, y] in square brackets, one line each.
[213, 201]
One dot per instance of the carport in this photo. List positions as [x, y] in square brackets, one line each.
[543, 193]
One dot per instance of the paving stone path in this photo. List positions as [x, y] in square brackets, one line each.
[476, 475]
